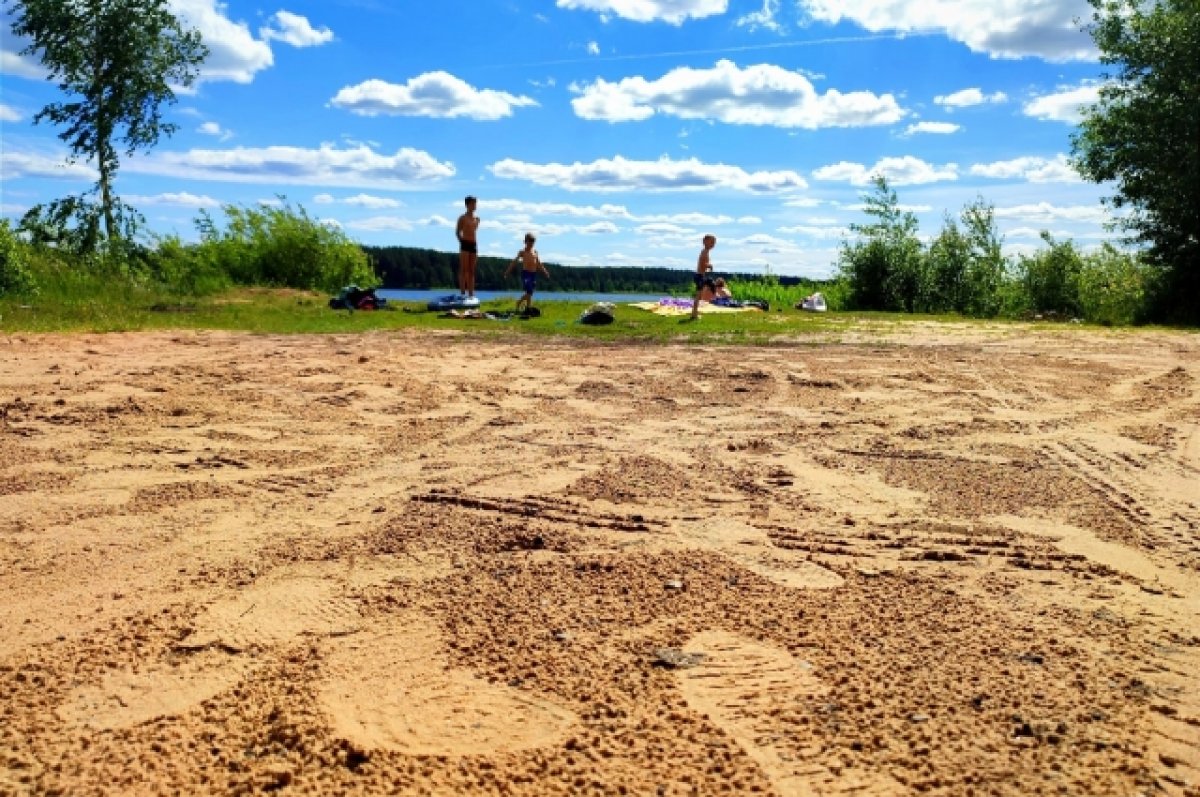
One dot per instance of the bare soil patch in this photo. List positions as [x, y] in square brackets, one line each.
[940, 560]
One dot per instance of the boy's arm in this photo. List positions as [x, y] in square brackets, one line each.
[541, 265]
[508, 270]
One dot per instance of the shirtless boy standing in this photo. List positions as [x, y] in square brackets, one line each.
[530, 265]
[703, 267]
[468, 249]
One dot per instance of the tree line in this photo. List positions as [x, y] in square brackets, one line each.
[409, 267]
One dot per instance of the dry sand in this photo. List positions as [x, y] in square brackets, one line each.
[959, 561]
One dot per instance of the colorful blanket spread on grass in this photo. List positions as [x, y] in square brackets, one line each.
[673, 306]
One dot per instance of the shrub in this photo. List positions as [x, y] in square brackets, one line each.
[282, 246]
[1050, 278]
[885, 268]
[15, 275]
[1112, 287]
[182, 269]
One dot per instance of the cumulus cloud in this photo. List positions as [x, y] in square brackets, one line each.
[762, 94]
[14, 165]
[665, 174]
[593, 48]
[1030, 168]
[295, 30]
[215, 130]
[968, 97]
[764, 18]
[1046, 212]
[182, 199]
[9, 114]
[234, 53]
[906, 170]
[555, 209]
[938, 128]
[817, 231]
[16, 65]
[369, 201]
[327, 165]
[380, 224]
[674, 12]
[1008, 29]
[1065, 105]
[436, 94]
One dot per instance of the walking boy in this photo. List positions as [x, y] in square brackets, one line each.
[468, 249]
[703, 267]
[530, 265]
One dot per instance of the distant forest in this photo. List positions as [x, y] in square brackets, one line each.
[406, 267]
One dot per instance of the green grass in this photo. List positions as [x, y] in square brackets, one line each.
[122, 307]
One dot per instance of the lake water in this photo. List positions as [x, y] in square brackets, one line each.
[405, 295]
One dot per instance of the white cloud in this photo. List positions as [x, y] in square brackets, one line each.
[1004, 29]
[360, 200]
[14, 165]
[818, 231]
[369, 201]
[380, 224]
[763, 18]
[327, 166]
[16, 65]
[436, 94]
[906, 170]
[531, 209]
[938, 128]
[1045, 212]
[295, 30]
[968, 97]
[659, 228]
[214, 129]
[762, 94]
[1033, 169]
[593, 48]
[182, 199]
[620, 174]
[234, 53]
[9, 113]
[690, 219]
[1065, 105]
[674, 12]
[599, 228]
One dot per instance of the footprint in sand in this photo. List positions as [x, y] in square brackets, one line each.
[395, 691]
[275, 612]
[741, 685]
[126, 699]
[269, 613]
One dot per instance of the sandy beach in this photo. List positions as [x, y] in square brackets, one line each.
[924, 559]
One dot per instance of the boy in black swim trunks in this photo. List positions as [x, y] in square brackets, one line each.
[468, 248]
[703, 267]
[530, 265]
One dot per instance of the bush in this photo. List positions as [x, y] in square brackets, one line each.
[15, 276]
[1112, 287]
[885, 268]
[282, 247]
[1050, 278]
[182, 269]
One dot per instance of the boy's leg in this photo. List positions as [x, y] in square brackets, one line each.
[470, 281]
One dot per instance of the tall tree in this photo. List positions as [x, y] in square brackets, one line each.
[118, 62]
[1143, 133]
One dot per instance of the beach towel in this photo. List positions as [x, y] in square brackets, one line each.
[675, 306]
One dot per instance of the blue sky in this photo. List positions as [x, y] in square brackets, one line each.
[618, 131]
